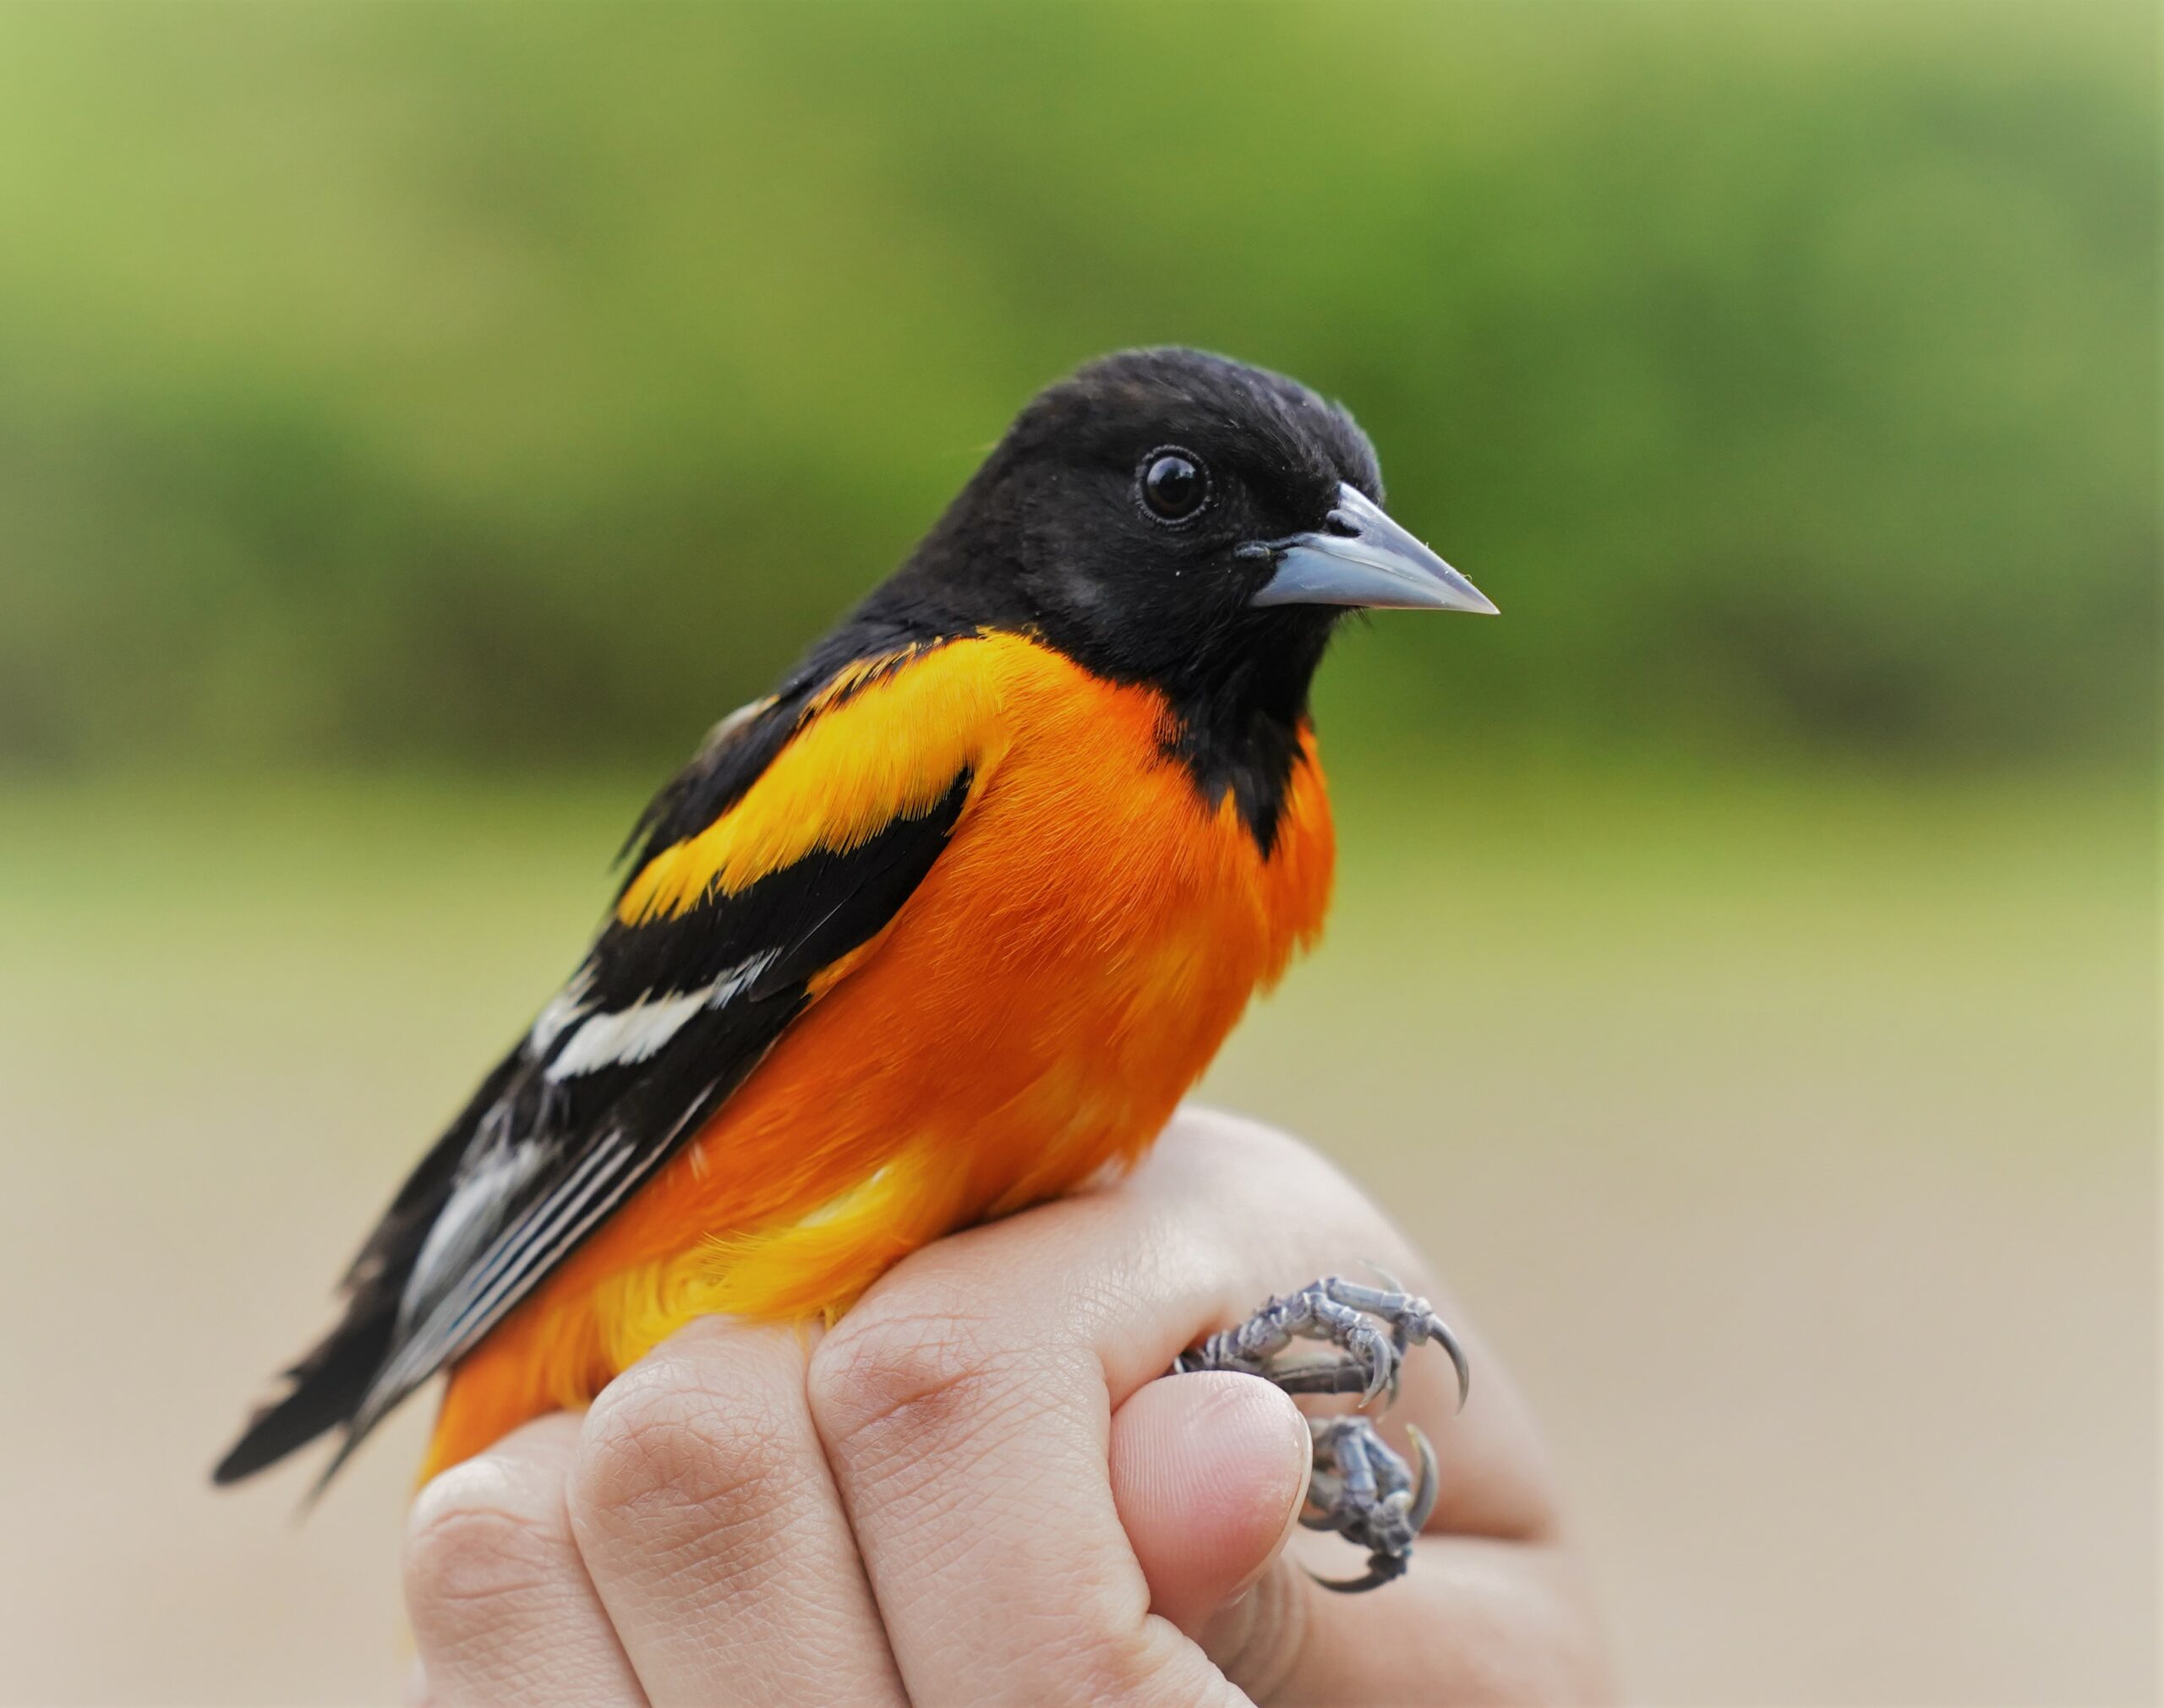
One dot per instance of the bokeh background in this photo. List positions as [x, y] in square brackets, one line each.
[418, 423]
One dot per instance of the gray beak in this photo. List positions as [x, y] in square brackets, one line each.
[1361, 557]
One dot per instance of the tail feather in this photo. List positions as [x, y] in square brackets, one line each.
[332, 1381]
[328, 1387]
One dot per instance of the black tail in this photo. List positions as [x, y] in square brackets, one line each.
[328, 1386]
[333, 1379]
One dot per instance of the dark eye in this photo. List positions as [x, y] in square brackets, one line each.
[1173, 485]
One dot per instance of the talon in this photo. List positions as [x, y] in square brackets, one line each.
[1440, 1332]
[1382, 1568]
[1423, 1498]
[1382, 1368]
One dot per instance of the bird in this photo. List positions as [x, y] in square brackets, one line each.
[944, 926]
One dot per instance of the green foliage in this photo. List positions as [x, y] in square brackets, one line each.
[450, 381]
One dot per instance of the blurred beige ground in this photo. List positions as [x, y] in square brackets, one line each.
[1795, 1145]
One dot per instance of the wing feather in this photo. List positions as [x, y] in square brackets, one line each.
[669, 1011]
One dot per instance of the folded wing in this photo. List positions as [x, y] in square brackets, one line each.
[792, 840]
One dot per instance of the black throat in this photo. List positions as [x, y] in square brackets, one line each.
[1240, 707]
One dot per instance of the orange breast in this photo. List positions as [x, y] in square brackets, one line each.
[1034, 1013]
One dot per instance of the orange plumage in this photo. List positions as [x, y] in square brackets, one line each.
[1089, 936]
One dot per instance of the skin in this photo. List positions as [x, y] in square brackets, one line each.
[975, 1489]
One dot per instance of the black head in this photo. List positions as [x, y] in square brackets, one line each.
[1175, 518]
[1131, 495]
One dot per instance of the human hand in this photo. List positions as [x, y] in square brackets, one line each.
[975, 1489]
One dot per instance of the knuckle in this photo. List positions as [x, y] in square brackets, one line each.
[661, 1441]
[881, 1374]
[478, 1532]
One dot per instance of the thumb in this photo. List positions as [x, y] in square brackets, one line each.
[1208, 1471]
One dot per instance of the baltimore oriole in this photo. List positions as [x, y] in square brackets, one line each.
[943, 926]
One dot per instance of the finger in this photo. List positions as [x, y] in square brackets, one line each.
[1476, 1620]
[1208, 1473]
[502, 1608]
[703, 1508]
[965, 1406]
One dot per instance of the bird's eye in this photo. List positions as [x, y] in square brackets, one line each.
[1173, 485]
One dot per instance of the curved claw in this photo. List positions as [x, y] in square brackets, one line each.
[1423, 1497]
[1448, 1341]
[1382, 1568]
[1382, 1370]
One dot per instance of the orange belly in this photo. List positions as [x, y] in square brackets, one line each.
[1035, 1013]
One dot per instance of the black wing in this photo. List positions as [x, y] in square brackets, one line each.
[660, 1023]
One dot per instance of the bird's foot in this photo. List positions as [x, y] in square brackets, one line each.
[1360, 1487]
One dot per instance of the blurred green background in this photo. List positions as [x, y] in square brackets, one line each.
[397, 383]
[418, 423]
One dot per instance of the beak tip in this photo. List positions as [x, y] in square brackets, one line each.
[1460, 595]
